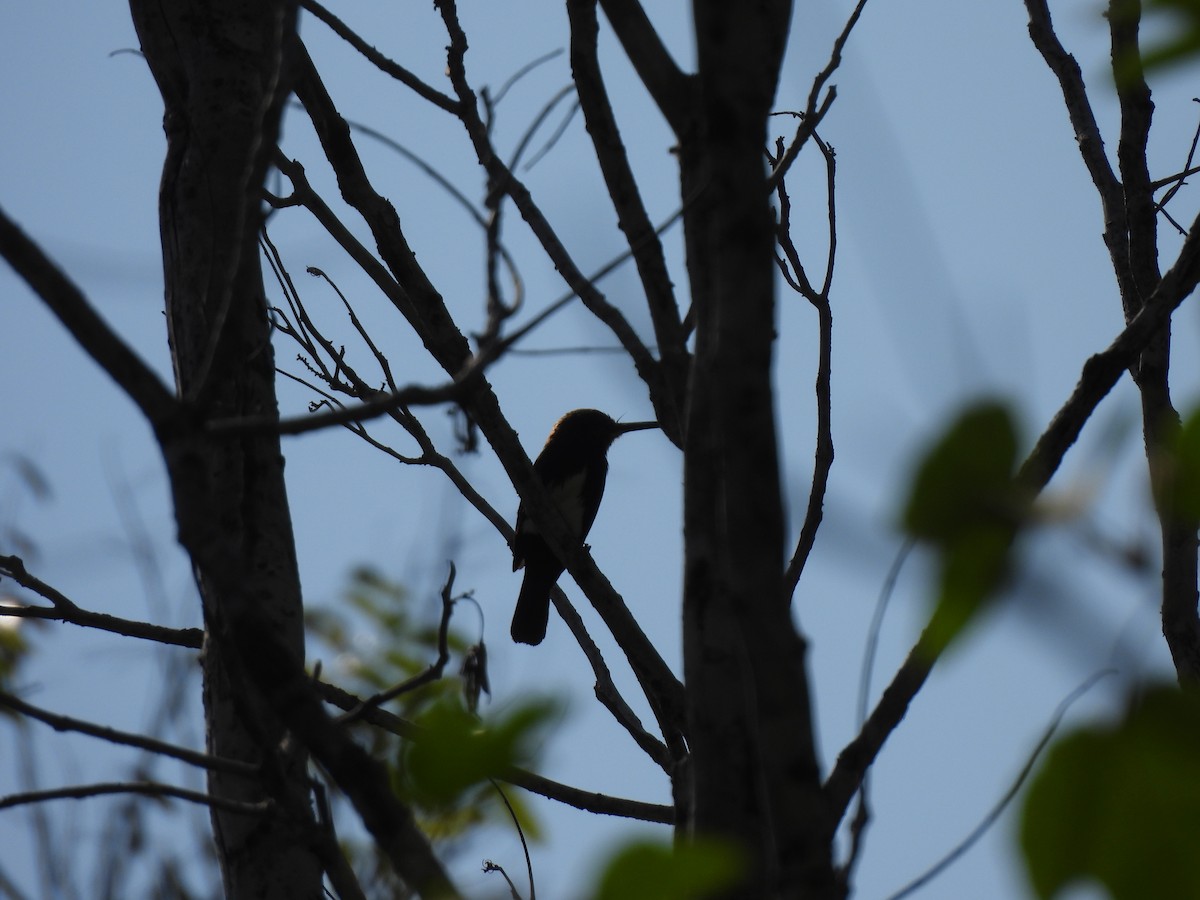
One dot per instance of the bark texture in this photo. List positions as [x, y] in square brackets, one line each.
[756, 779]
[219, 67]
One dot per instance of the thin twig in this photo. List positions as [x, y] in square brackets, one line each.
[432, 672]
[65, 610]
[146, 788]
[862, 813]
[521, 834]
[994, 813]
[388, 66]
[115, 736]
[812, 114]
[823, 454]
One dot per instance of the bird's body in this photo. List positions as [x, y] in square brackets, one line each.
[573, 466]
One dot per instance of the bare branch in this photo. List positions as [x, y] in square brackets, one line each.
[389, 67]
[115, 736]
[631, 211]
[812, 113]
[673, 90]
[505, 180]
[1099, 375]
[606, 691]
[146, 788]
[1103, 370]
[100, 342]
[859, 755]
[65, 610]
[824, 453]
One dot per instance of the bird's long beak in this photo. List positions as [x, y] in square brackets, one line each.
[625, 428]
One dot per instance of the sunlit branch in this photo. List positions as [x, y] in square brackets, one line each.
[65, 610]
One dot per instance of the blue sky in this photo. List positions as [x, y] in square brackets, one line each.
[970, 263]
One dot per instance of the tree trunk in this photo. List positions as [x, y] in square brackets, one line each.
[219, 67]
[756, 779]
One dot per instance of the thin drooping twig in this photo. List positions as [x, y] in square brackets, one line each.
[993, 815]
[512, 813]
[862, 813]
[518, 284]
[605, 688]
[515, 78]
[116, 736]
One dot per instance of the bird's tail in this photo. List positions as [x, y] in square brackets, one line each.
[533, 605]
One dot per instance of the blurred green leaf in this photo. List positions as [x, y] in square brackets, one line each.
[1179, 494]
[14, 648]
[964, 502]
[646, 870]
[1180, 19]
[966, 477]
[1119, 804]
[458, 751]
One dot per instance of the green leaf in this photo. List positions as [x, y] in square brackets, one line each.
[964, 502]
[1180, 19]
[1120, 804]
[458, 751]
[646, 870]
[1179, 494]
[965, 479]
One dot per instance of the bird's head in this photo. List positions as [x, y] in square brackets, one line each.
[592, 429]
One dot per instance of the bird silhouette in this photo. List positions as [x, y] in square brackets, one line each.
[573, 466]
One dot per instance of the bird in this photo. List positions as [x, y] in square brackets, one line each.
[573, 466]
